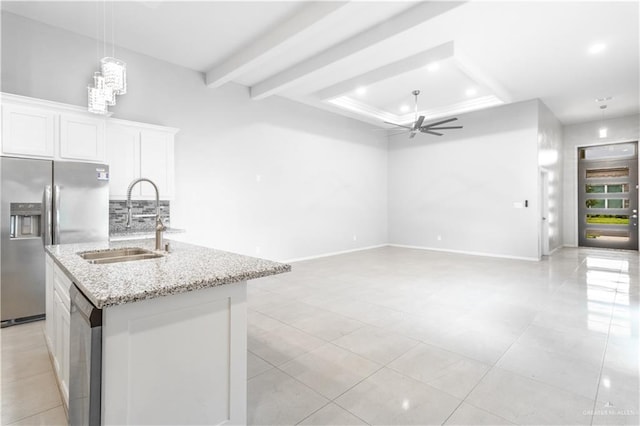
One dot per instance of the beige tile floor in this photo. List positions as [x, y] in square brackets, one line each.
[30, 393]
[395, 336]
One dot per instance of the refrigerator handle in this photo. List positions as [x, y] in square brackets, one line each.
[56, 214]
[46, 216]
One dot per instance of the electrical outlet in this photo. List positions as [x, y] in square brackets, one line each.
[355, 237]
[257, 249]
[258, 178]
[439, 237]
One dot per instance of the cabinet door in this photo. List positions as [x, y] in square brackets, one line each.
[49, 321]
[28, 131]
[82, 138]
[62, 325]
[57, 308]
[65, 322]
[61, 355]
[123, 156]
[156, 162]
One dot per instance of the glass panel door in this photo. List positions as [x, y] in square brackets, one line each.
[608, 196]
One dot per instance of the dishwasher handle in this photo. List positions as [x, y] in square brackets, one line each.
[84, 307]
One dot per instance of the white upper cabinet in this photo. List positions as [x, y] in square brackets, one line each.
[156, 162]
[28, 131]
[37, 128]
[82, 137]
[123, 156]
[137, 150]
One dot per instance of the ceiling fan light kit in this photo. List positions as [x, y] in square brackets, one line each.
[418, 125]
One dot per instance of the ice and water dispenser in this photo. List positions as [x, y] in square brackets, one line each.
[25, 220]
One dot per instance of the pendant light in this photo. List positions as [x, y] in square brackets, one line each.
[602, 131]
[114, 72]
[100, 96]
[112, 79]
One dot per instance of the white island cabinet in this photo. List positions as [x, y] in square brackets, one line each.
[174, 331]
[57, 326]
[177, 360]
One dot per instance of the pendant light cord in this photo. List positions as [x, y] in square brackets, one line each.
[113, 37]
[104, 28]
[98, 31]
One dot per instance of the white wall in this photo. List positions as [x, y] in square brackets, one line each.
[293, 182]
[550, 153]
[462, 186]
[322, 177]
[622, 129]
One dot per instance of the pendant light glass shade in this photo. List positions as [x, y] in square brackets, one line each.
[114, 72]
[97, 104]
[108, 94]
[100, 96]
[602, 132]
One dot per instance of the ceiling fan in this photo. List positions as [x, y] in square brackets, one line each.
[423, 128]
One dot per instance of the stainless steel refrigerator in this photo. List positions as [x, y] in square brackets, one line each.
[44, 202]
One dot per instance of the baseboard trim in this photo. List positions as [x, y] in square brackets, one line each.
[335, 253]
[471, 253]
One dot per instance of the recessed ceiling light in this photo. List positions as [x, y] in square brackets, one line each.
[597, 48]
[471, 92]
[361, 90]
[433, 66]
[404, 108]
[608, 98]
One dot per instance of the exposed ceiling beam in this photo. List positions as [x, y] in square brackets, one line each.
[269, 44]
[404, 21]
[419, 60]
[475, 73]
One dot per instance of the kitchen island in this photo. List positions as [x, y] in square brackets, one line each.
[173, 329]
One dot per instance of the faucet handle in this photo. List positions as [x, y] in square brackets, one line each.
[160, 224]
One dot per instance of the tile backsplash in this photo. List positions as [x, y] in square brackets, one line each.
[118, 215]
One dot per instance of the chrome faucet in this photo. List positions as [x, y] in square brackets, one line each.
[160, 228]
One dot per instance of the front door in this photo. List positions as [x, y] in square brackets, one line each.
[608, 196]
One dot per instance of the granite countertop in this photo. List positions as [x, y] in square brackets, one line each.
[186, 268]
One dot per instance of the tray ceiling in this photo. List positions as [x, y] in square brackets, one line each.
[320, 53]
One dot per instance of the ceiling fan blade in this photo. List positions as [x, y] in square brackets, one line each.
[441, 128]
[418, 122]
[398, 125]
[441, 122]
[430, 132]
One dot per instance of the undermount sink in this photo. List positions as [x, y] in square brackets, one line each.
[118, 255]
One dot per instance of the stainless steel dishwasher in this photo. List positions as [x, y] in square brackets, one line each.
[85, 361]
